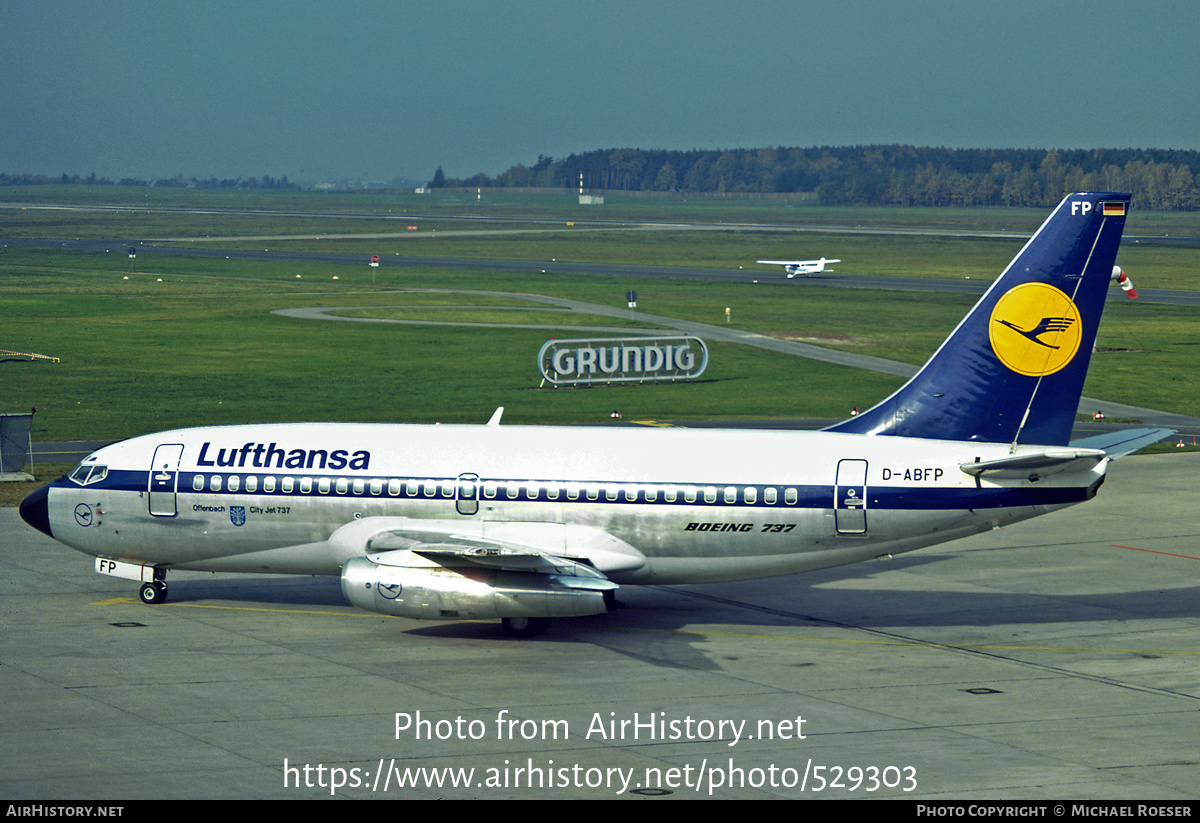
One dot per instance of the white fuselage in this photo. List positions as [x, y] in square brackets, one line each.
[641, 505]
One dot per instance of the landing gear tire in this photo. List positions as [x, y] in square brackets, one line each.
[524, 626]
[153, 593]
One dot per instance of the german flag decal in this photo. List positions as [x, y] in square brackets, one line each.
[1112, 208]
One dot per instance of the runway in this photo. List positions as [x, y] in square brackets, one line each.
[1055, 659]
[634, 273]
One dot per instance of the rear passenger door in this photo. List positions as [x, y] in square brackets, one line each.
[850, 497]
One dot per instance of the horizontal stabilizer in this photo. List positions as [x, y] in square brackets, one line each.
[1037, 465]
[1120, 443]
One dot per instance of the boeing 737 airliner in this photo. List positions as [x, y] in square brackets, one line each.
[529, 523]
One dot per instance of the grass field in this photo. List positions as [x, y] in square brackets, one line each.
[554, 205]
[203, 347]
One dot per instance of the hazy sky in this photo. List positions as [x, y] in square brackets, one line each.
[375, 90]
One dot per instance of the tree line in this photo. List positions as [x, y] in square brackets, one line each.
[895, 175]
[177, 182]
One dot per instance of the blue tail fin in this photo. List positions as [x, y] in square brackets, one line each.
[1014, 368]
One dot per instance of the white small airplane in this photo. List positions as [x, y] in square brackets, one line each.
[805, 267]
[527, 523]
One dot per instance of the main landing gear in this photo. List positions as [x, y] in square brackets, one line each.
[524, 627]
[153, 593]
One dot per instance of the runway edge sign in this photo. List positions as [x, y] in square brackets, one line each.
[622, 360]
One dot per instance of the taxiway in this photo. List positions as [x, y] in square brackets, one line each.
[1049, 660]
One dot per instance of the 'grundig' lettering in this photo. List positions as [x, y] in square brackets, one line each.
[610, 359]
[264, 456]
[622, 359]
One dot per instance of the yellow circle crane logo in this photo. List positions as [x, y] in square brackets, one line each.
[1035, 329]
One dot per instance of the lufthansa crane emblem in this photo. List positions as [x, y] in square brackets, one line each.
[1035, 329]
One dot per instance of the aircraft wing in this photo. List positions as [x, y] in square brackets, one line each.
[546, 548]
[1120, 443]
[816, 262]
[568, 573]
[517, 571]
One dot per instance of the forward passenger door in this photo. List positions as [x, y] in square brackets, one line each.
[164, 478]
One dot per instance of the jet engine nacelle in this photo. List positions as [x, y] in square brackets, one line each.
[471, 593]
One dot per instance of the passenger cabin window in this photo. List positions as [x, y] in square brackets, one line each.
[251, 484]
[394, 488]
[289, 483]
[268, 484]
[215, 483]
[234, 483]
[198, 483]
[751, 495]
[770, 496]
[790, 496]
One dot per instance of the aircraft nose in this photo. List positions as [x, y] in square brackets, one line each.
[35, 510]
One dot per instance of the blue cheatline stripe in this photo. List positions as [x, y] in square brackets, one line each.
[885, 498]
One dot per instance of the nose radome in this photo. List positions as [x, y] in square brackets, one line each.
[35, 510]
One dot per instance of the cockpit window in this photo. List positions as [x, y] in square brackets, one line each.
[86, 474]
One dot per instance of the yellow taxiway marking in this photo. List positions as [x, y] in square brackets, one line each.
[933, 644]
[122, 600]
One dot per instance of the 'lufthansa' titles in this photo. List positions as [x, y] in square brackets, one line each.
[270, 456]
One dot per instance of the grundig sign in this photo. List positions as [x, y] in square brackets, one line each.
[622, 359]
